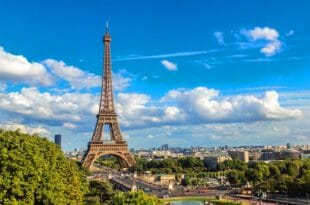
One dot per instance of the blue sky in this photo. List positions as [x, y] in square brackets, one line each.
[185, 72]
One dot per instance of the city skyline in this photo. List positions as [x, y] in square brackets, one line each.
[208, 74]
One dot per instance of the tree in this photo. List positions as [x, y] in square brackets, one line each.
[186, 181]
[140, 165]
[232, 164]
[236, 178]
[292, 168]
[274, 171]
[254, 175]
[34, 170]
[304, 183]
[284, 183]
[190, 162]
[108, 161]
[102, 190]
[139, 198]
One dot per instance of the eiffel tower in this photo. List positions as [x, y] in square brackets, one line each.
[115, 146]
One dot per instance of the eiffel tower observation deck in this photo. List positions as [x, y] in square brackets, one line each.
[107, 116]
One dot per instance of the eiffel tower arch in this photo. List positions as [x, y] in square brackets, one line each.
[122, 158]
[107, 116]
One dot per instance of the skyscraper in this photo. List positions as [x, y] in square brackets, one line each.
[58, 139]
[165, 147]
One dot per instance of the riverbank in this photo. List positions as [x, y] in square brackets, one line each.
[188, 198]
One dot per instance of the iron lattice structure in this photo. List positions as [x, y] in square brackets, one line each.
[107, 116]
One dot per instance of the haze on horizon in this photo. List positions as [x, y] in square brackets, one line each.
[208, 73]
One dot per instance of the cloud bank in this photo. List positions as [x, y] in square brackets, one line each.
[202, 105]
[16, 68]
[26, 129]
[197, 106]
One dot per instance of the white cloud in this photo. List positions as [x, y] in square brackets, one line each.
[179, 113]
[200, 105]
[149, 136]
[45, 107]
[169, 65]
[173, 114]
[120, 80]
[134, 110]
[77, 78]
[270, 35]
[178, 107]
[290, 33]
[125, 136]
[69, 125]
[232, 134]
[2, 87]
[203, 104]
[207, 66]
[80, 79]
[266, 33]
[26, 129]
[17, 68]
[219, 37]
[271, 48]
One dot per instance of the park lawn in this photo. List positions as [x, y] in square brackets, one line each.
[228, 202]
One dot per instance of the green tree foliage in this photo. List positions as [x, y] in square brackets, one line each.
[254, 175]
[236, 177]
[274, 171]
[224, 202]
[186, 181]
[286, 176]
[99, 191]
[137, 198]
[292, 168]
[108, 161]
[34, 170]
[190, 162]
[232, 164]
[304, 182]
[171, 166]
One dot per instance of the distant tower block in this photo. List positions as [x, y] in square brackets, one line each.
[58, 139]
[116, 145]
[165, 147]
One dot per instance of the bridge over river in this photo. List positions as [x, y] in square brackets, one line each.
[128, 182]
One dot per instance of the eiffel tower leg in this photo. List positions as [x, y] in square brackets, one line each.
[126, 161]
[130, 160]
[122, 163]
[88, 160]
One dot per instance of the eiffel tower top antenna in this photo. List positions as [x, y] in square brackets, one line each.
[107, 26]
